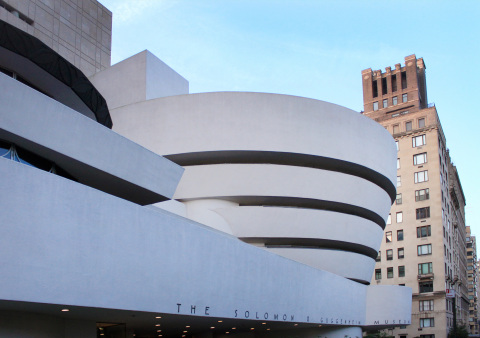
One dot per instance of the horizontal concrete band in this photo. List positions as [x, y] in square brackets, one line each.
[279, 222]
[306, 203]
[89, 152]
[343, 263]
[313, 243]
[223, 180]
[285, 158]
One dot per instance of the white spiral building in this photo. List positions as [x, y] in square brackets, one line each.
[305, 179]
[85, 253]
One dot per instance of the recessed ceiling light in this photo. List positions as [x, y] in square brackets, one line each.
[65, 310]
[295, 324]
[233, 328]
[159, 330]
[264, 323]
[227, 332]
[268, 329]
[212, 327]
[157, 324]
[158, 317]
[252, 328]
[185, 331]
[220, 321]
[319, 325]
[187, 326]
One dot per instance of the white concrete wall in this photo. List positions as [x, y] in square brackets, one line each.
[257, 121]
[231, 180]
[380, 298]
[196, 126]
[253, 221]
[82, 247]
[90, 152]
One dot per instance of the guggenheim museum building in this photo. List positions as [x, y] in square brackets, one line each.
[131, 208]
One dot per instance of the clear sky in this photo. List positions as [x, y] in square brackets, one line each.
[317, 49]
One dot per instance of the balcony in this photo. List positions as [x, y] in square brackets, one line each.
[425, 276]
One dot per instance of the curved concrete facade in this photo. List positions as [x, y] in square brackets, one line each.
[258, 122]
[300, 157]
[89, 254]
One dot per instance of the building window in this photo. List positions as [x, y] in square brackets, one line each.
[427, 335]
[424, 231]
[421, 176]
[389, 254]
[385, 103]
[396, 129]
[375, 88]
[375, 105]
[388, 236]
[399, 181]
[401, 253]
[419, 140]
[396, 143]
[378, 274]
[404, 80]
[427, 322]
[425, 268]
[408, 126]
[425, 287]
[421, 123]
[389, 272]
[425, 305]
[404, 98]
[398, 200]
[394, 100]
[398, 163]
[401, 271]
[389, 219]
[384, 86]
[425, 249]
[394, 82]
[379, 257]
[419, 159]
[399, 235]
[423, 213]
[422, 195]
[399, 217]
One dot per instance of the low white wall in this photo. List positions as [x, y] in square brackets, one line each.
[80, 246]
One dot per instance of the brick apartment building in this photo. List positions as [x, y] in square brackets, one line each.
[424, 246]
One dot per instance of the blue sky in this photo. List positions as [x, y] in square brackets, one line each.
[317, 49]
